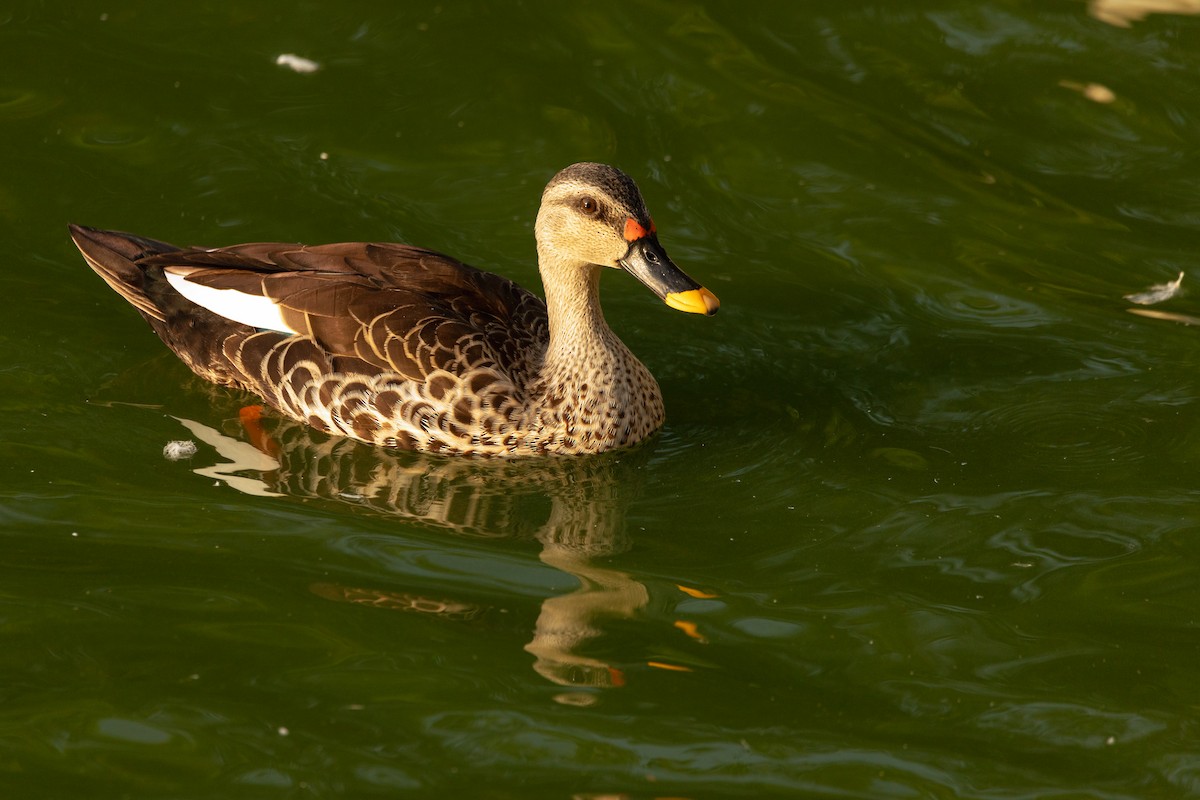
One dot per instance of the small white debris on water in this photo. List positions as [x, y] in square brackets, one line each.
[296, 63]
[282, 731]
[1157, 293]
[1096, 92]
[1099, 93]
[1170, 316]
[1123, 13]
[179, 449]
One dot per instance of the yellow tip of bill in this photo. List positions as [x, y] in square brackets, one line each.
[695, 301]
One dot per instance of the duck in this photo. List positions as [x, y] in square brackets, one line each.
[403, 347]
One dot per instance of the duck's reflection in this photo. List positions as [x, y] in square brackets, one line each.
[587, 498]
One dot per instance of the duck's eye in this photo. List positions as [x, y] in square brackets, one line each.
[589, 206]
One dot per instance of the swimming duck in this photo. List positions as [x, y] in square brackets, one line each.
[404, 347]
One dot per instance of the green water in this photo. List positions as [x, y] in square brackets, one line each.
[925, 517]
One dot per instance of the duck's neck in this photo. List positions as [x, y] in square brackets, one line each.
[592, 393]
[580, 339]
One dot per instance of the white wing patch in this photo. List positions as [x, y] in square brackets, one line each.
[248, 309]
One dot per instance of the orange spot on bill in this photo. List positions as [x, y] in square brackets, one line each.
[690, 592]
[616, 676]
[634, 230]
[690, 629]
[668, 667]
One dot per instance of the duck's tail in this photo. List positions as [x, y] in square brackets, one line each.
[132, 266]
[114, 256]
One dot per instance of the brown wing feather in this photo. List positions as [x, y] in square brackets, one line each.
[369, 310]
[366, 301]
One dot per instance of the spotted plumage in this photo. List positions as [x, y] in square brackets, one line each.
[405, 347]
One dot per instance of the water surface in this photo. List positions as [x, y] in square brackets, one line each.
[923, 520]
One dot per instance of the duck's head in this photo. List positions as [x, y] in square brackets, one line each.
[594, 214]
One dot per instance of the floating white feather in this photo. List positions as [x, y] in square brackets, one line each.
[179, 449]
[1157, 293]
